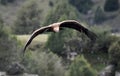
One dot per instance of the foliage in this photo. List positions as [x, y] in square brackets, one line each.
[114, 53]
[64, 12]
[61, 10]
[99, 16]
[103, 41]
[1, 23]
[96, 52]
[60, 39]
[111, 5]
[44, 64]
[51, 3]
[8, 48]
[80, 67]
[4, 2]
[28, 18]
[82, 5]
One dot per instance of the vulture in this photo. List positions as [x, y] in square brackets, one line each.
[56, 27]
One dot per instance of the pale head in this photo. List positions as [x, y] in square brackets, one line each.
[55, 27]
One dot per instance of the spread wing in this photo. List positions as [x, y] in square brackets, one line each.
[77, 26]
[36, 33]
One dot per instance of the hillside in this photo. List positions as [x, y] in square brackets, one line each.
[67, 53]
[10, 11]
[113, 17]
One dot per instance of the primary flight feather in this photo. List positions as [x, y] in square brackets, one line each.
[56, 27]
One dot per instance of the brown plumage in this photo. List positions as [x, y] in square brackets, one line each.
[55, 27]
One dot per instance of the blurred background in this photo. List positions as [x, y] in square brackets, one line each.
[67, 53]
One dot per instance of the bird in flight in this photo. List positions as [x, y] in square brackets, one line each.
[56, 27]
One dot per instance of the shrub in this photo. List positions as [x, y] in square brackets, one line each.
[8, 48]
[82, 5]
[64, 12]
[63, 9]
[44, 64]
[114, 53]
[99, 16]
[4, 2]
[111, 5]
[103, 41]
[80, 67]
[28, 18]
[97, 51]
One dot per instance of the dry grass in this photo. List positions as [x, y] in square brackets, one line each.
[37, 40]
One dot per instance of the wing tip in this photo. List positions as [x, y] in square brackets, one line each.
[93, 36]
[24, 50]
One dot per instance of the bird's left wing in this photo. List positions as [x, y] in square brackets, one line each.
[34, 34]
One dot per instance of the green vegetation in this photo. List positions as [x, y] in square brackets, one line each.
[80, 67]
[48, 53]
[8, 48]
[114, 53]
[99, 16]
[44, 64]
[28, 18]
[82, 5]
[64, 12]
[111, 5]
[39, 39]
[4, 2]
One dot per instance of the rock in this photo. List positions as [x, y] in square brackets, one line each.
[15, 69]
[2, 73]
[24, 74]
[108, 71]
[117, 74]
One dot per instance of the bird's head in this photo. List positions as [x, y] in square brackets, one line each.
[55, 27]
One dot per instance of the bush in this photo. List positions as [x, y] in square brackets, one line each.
[82, 5]
[63, 9]
[111, 5]
[103, 41]
[97, 51]
[64, 12]
[99, 16]
[114, 53]
[28, 18]
[44, 64]
[8, 48]
[80, 67]
[4, 2]
[51, 3]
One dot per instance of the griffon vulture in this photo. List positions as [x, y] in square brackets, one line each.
[55, 27]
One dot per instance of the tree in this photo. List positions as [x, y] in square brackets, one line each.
[103, 41]
[4, 2]
[61, 10]
[28, 18]
[111, 5]
[8, 47]
[114, 53]
[97, 51]
[99, 16]
[82, 5]
[44, 64]
[64, 11]
[80, 67]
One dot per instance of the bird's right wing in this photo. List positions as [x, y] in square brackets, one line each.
[34, 34]
[79, 27]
